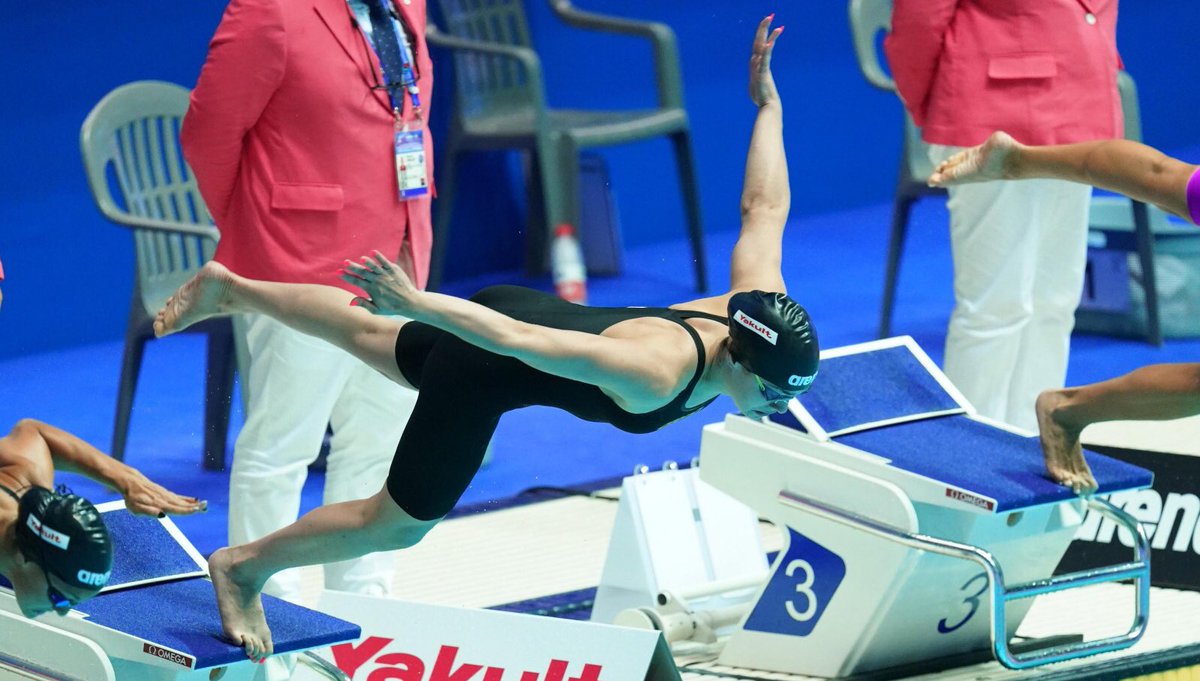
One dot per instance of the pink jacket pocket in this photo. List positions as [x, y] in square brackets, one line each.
[1012, 67]
[295, 196]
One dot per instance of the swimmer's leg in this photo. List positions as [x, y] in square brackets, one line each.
[321, 311]
[327, 534]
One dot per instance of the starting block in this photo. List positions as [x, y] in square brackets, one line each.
[678, 542]
[915, 529]
[156, 620]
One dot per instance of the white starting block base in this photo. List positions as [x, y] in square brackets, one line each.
[678, 539]
[915, 530]
[559, 546]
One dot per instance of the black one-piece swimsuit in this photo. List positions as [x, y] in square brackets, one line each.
[464, 390]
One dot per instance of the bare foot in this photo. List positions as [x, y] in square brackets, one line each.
[1060, 445]
[991, 160]
[241, 607]
[203, 296]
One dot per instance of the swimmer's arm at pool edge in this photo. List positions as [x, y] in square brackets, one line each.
[47, 448]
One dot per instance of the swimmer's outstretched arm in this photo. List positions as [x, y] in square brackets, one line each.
[766, 194]
[636, 370]
[1130, 168]
[47, 448]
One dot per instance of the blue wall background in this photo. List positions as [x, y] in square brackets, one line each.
[70, 272]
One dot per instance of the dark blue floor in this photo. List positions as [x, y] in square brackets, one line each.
[833, 265]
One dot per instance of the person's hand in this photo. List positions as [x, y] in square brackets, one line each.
[762, 83]
[147, 498]
[389, 289]
[992, 160]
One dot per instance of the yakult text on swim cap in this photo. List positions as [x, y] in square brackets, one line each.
[48, 534]
[756, 326]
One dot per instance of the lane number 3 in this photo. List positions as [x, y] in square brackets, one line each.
[972, 601]
[804, 588]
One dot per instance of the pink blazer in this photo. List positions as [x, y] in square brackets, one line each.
[1045, 71]
[293, 150]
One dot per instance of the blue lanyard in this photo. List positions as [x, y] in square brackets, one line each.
[408, 74]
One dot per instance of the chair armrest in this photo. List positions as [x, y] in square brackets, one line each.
[167, 226]
[524, 56]
[666, 54]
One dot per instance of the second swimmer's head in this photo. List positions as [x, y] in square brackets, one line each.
[773, 337]
[67, 538]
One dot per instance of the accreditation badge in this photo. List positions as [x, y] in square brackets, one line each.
[411, 176]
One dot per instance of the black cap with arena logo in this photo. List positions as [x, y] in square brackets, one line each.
[65, 534]
[773, 336]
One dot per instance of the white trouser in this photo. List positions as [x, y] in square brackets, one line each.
[1020, 249]
[297, 384]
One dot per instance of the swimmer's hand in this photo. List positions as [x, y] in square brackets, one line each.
[762, 83]
[389, 289]
[145, 497]
[995, 159]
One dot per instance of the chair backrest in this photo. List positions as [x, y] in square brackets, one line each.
[130, 144]
[486, 83]
[869, 18]
[1129, 105]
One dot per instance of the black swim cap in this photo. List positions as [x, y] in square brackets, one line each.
[774, 338]
[65, 534]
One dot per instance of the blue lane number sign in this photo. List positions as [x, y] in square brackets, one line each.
[800, 589]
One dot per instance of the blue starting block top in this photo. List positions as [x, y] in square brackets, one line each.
[990, 462]
[887, 398]
[891, 384]
[183, 616]
[156, 594]
[145, 550]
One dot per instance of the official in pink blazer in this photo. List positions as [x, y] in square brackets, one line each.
[1045, 71]
[290, 136]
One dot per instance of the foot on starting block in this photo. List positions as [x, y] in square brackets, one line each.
[916, 529]
[156, 619]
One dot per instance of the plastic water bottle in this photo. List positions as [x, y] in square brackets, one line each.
[566, 262]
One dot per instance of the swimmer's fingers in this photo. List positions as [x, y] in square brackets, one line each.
[354, 272]
[365, 303]
[385, 265]
[181, 505]
[150, 499]
[173, 504]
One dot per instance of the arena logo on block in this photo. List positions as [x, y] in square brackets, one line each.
[1172, 523]
[1169, 512]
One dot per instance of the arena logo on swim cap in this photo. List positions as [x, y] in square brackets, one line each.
[801, 381]
[93, 578]
[48, 534]
[756, 326]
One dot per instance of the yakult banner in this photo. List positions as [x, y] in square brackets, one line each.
[1169, 512]
[405, 641]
